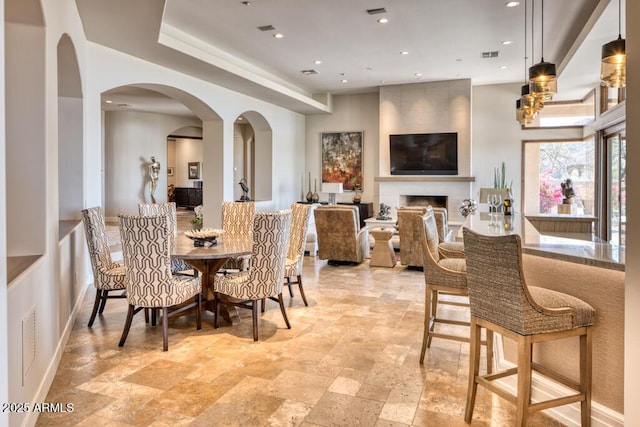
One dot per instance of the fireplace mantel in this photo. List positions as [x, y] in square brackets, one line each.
[421, 178]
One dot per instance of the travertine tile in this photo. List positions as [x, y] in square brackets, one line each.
[351, 358]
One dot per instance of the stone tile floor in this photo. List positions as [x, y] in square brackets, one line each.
[351, 358]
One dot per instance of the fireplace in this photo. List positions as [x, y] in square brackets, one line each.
[416, 200]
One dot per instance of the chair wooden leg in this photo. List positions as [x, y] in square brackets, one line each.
[165, 328]
[146, 315]
[304, 298]
[127, 325]
[216, 309]
[585, 377]
[289, 285]
[432, 320]
[105, 295]
[96, 304]
[284, 312]
[254, 314]
[474, 368]
[154, 316]
[198, 314]
[427, 322]
[525, 354]
[263, 304]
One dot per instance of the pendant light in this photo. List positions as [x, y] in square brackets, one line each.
[542, 76]
[526, 106]
[613, 70]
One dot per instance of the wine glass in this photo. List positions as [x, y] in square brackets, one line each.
[494, 201]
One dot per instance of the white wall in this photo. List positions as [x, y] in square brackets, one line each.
[350, 113]
[131, 138]
[188, 150]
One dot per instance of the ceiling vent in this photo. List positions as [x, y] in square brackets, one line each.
[309, 72]
[267, 28]
[492, 54]
[376, 11]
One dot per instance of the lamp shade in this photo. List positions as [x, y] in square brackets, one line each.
[332, 187]
[614, 63]
[543, 80]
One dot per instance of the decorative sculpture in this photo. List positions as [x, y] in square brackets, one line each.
[245, 191]
[469, 206]
[385, 212]
[154, 174]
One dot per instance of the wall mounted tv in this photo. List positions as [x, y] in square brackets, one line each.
[424, 154]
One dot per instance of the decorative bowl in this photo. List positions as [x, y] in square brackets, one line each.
[204, 237]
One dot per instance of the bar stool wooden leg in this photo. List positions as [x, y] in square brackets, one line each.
[474, 369]
[525, 353]
[585, 377]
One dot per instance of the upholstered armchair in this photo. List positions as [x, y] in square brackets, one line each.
[446, 246]
[178, 266]
[237, 222]
[264, 277]
[340, 238]
[410, 246]
[146, 250]
[296, 247]
[108, 276]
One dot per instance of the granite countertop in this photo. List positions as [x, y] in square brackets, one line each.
[594, 253]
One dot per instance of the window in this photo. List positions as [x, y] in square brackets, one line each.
[610, 97]
[547, 164]
[615, 192]
[565, 113]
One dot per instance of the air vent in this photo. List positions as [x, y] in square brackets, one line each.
[267, 28]
[492, 54]
[309, 72]
[376, 11]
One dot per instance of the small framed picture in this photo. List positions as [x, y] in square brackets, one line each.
[194, 170]
[170, 171]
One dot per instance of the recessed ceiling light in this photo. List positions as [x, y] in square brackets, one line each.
[512, 3]
[317, 62]
[382, 81]
[383, 20]
[240, 119]
[246, 3]
[344, 81]
[458, 59]
[108, 101]
[404, 52]
[418, 74]
[503, 67]
[507, 42]
[278, 35]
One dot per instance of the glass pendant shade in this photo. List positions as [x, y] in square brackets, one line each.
[543, 80]
[613, 71]
[534, 103]
[523, 113]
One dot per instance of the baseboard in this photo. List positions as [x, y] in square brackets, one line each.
[544, 389]
[50, 373]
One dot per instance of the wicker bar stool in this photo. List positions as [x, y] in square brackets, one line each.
[501, 301]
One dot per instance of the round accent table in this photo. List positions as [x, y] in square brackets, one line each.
[383, 254]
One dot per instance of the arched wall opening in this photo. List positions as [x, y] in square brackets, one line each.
[185, 166]
[25, 104]
[70, 131]
[253, 155]
[132, 137]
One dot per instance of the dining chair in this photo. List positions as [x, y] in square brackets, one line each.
[108, 276]
[237, 223]
[178, 266]
[447, 247]
[146, 250]
[296, 246]
[263, 279]
[443, 277]
[501, 301]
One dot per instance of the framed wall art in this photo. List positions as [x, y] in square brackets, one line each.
[170, 171]
[194, 170]
[342, 158]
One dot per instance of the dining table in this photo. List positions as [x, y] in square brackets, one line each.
[208, 260]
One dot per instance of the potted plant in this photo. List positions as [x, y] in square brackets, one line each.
[568, 193]
[196, 221]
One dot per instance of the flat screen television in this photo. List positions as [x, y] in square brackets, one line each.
[424, 154]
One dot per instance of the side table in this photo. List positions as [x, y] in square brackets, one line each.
[383, 254]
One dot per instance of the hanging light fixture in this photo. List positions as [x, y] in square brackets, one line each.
[613, 71]
[542, 76]
[527, 106]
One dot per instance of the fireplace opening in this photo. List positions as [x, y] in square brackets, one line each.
[435, 201]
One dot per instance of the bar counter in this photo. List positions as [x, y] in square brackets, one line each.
[590, 270]
[549, 245]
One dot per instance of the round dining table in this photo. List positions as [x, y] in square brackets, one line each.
[208, 260]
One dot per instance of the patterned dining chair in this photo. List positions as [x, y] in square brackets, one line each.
[108, 276]
[150, 284]
[296, 246]
[237, 222]
[263, 279]
[178, 266]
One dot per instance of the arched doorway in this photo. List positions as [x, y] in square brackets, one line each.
[253, 155]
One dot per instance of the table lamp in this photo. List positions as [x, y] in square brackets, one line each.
[332, 188]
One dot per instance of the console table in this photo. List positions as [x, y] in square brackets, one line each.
[188, 197]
